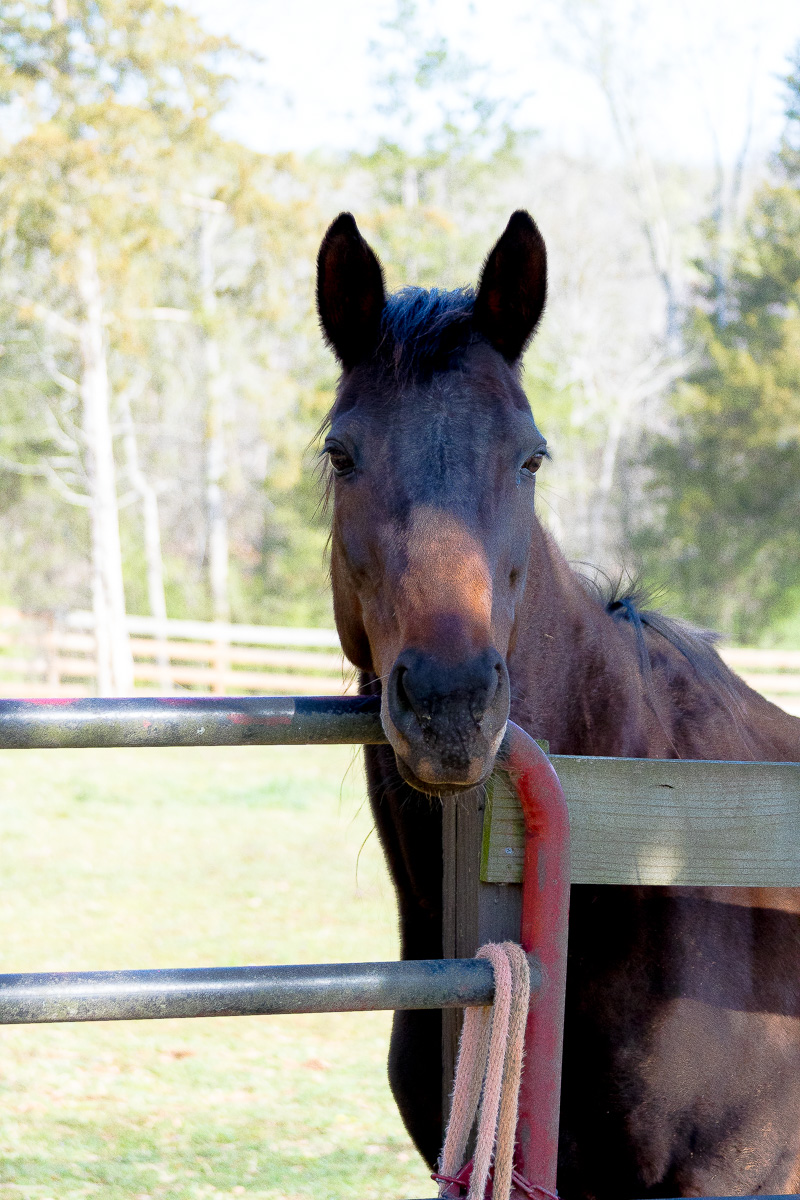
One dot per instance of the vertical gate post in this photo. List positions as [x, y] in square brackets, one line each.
[535, 914]
[473, 912]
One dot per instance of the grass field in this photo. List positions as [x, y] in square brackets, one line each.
[160, 858]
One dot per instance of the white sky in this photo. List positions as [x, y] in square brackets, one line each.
[699, 68]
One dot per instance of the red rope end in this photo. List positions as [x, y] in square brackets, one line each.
[461, 1181]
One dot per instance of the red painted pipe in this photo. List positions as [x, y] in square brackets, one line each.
[545, 913]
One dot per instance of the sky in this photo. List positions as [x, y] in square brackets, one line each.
[697, 74]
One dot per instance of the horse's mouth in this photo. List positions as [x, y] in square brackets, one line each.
[439, 787]
[438, 778]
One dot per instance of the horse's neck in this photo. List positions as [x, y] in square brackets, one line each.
[576, 680]
[575, 676]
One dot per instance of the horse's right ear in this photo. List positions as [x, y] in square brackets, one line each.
[513, 287]
[350, 292]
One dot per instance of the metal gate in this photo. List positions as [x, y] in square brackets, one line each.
[222, 991]
[453, 983]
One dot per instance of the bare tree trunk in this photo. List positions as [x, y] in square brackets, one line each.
[603, 57]
[604, 531]
[154, 561]
[216, 516]
[215, 497]
[114, 660]
[410, 194]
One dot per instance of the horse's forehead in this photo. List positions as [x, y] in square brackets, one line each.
[445, 440]
[480, 387]
[434, 442]
[447, 408]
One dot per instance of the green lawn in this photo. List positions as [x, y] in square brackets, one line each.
[115, 858]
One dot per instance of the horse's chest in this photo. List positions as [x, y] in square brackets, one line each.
[682, 1046]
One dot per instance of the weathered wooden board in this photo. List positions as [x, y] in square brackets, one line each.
[650, 821]
[474, 912]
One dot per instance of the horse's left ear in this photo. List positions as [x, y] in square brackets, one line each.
[513, 287]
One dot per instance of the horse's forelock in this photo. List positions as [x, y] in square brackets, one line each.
[425, 330]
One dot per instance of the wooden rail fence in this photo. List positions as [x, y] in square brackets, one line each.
[44, 655]
[774, 673]
[50, 655]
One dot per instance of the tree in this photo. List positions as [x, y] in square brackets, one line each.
[623, 229]
[213, 373]
[727, 478]
[110, 94]
[432, 195]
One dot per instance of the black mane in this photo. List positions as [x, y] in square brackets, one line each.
[424, 331]
[626, 602]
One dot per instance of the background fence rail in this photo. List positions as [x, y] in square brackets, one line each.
[774, 673]
[48, 655]
[51, 655]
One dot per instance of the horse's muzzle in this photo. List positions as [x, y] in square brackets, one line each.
[446, 721]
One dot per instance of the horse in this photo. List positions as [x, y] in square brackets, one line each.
[681, 1073]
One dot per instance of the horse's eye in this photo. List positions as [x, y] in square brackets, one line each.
[340, 460]
[532, 464]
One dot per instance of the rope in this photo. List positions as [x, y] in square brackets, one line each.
[488, 1073]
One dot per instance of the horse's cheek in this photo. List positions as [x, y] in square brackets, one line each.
[347, 612]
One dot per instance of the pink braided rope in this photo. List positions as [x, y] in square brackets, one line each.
[512, 1070]
[493, 1078]
[488, 1072]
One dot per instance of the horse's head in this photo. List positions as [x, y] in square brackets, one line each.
[433, 451]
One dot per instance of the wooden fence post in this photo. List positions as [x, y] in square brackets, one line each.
[53, 674]
[221, 652]
[473, 912]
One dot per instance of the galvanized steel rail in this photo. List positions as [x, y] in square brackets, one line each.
[244, 991]
[190, 721]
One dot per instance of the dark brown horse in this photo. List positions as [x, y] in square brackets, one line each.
[682, 1046]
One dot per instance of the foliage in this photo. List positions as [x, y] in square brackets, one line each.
[205, 253]
[431, 183]
[727, 477]
[202, 244]
[113, 144]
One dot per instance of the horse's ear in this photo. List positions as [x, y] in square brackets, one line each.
[350, 292]
[513, 287]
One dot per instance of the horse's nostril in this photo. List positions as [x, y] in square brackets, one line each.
[405, 693]
[402, 698]
[410, 693]
[482, 697]
[401, 695]
[486, 695]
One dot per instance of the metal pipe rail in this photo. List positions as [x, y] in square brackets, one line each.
[190, 721]
[245, 991]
